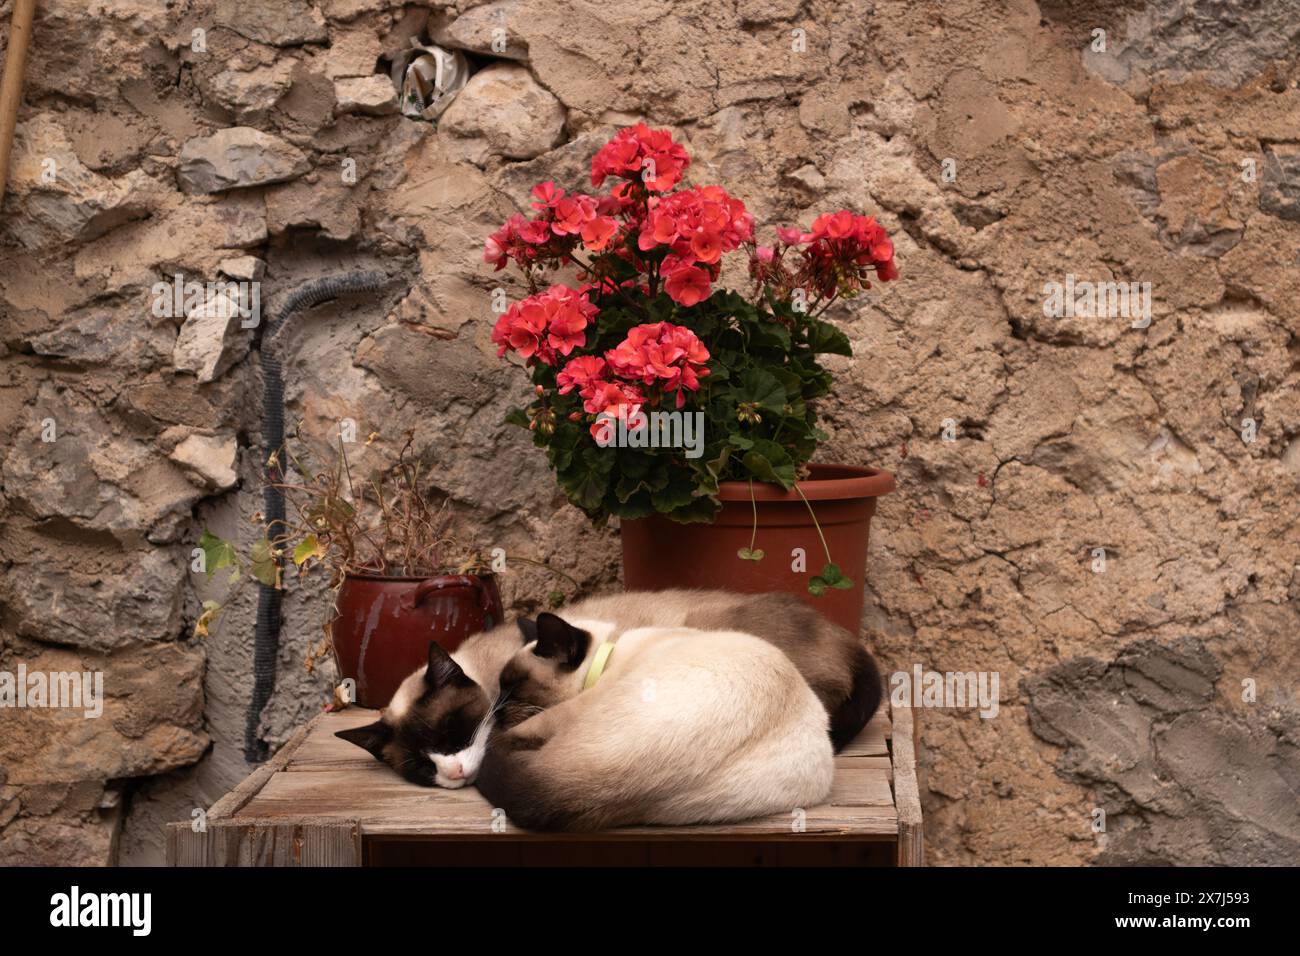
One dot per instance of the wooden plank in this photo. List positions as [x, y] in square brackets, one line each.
[397, 851]
[373, 798]
[230, 804]
[907, 796]
[184, 847]
[304, 842]
[385, 851]
[321, 750]
[883, 764]
[861, 788]
[825, 820]
[385, 804]
[870, 742]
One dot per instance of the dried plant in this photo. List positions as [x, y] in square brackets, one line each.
[381, 525]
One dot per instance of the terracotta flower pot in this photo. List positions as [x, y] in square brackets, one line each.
[384, 625]
[659, 553]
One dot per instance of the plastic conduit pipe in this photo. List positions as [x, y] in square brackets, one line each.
[266, 643]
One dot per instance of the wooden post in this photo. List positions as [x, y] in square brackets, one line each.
[11, 87]
[907, 795]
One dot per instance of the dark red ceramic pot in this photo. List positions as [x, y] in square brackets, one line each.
[384, 625]
[659, 553]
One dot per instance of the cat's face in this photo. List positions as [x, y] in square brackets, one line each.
[545, 671]
[434, 732]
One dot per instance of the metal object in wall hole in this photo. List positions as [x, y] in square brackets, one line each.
[429, 78]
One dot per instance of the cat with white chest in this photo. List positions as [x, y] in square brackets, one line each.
[683, 726]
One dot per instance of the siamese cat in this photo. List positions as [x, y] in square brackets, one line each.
[683, 726]
[836, 665]
[435, 731]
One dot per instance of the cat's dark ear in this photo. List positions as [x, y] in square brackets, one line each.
[442, 670]
[560, 641]
[373, 737]
[528, 628]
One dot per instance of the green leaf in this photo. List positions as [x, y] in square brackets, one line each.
[588, 479]
[708, 475]
[627, 486]
[768, 461]
[760, 387]
[516, 416]
[218, 553]
[748, 554]
[831, 577]
[826, 338]
[790, 380]
[678, 493]
[634, 463]
[701, 509]
[264, 567]
[638, 506]
[308, 548]
[563, 445]
[771, 335]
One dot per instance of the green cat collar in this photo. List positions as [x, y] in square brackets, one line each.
[598, 664]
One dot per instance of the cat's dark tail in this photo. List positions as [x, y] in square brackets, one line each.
[864, 697]
[512, 779]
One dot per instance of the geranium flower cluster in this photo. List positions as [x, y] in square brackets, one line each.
[648, 249]
[656, 356]
[837, 257]
[698, 226]
[554, 321]
[600, 394]
[563, 220]
[660, 353]
[642, 154]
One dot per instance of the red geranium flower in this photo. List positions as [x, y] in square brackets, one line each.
[639, 152]
[544, 324]
[671, 356]
[688, 285]
[582, 373]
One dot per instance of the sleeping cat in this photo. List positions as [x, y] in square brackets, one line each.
[435, 730]
[684, 726]
[836, 665]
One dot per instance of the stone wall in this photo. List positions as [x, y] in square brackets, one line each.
[1005, 145]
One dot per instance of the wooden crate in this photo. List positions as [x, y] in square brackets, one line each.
[324, 802]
